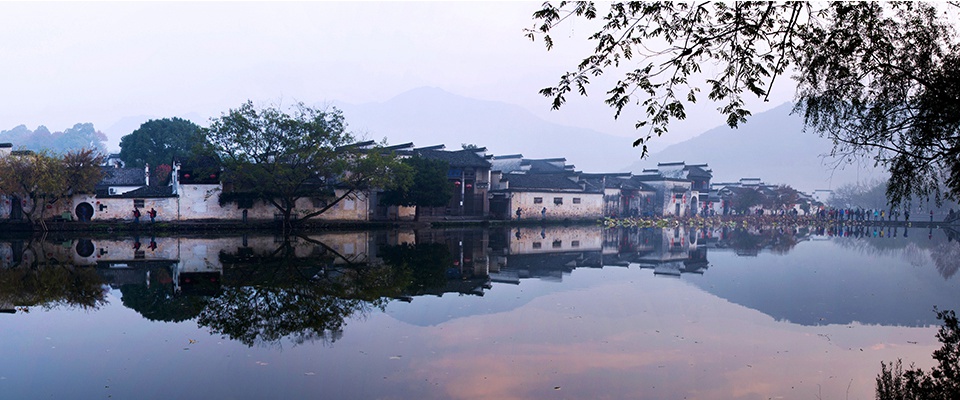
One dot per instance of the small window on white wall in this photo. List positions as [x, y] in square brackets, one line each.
[576, 200]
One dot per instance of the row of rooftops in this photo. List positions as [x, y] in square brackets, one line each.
[525, 173]
[516, 171]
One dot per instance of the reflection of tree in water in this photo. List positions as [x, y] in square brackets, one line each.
[269, 297]
[919, 251]
[259, 315]
[425, 263]
[748, 241]
[49, 283]
[883, 248]
[946, 256]
[157, 301]
[52, 286]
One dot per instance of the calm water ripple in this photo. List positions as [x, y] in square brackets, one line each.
[525, 313]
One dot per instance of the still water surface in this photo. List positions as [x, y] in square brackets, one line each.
[528, 313]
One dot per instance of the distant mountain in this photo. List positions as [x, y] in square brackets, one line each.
[80, 136]
[430, 116]
[771, 146]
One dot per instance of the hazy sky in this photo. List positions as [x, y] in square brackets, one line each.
[64, 63]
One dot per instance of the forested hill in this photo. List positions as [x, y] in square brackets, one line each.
[78, 137]
[771, 146]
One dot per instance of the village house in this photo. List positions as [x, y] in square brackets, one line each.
[485, 186]
[623, 196]
[469, 171]
[672, 195]
[193, 196]
[760, 196]
[697, 201]
[548, 196]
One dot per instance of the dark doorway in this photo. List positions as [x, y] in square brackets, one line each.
[84, 212]
[16, 208]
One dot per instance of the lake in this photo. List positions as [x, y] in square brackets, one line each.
[550, 312]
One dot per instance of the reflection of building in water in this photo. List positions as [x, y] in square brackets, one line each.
[466, 261]
[191, 261]
[549, 253]
[667, 251]
[469, 267]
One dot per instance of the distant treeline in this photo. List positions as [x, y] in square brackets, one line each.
[80, 136]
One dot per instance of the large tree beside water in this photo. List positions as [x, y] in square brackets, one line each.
[281, 155]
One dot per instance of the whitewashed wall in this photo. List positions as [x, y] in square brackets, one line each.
[590, 206]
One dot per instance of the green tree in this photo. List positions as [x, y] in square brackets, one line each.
[429, 187]
[280, 157]
[741, 199]
[878, 79]
[784, 198]
[45, 179]
[943, 380]
[867, 195]
[368, 169]
[160, 141]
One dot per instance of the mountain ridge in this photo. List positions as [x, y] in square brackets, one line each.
[771, 145]
[429, 116]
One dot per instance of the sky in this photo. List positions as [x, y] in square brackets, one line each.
[99, 62]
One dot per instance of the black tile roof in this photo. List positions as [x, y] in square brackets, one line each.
[540, 181]
[636, 184]
[456, 159]
[543, 165]
[363, 144]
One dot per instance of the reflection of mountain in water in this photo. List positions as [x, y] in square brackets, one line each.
[856, 277]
